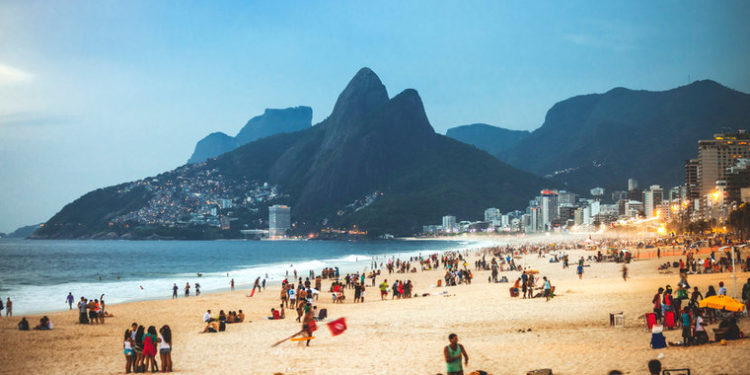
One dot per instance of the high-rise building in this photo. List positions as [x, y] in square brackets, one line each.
[692, 190]
[718, 154]
[651, 200]
[632, 184]
[279, 220]
[492, 215]
[449, 223]
[566, 197]
[549, 208]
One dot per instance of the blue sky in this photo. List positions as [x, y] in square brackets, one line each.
[97, 93]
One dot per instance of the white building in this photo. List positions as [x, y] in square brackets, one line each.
[651, 200]
[492, 215]
[449, 223]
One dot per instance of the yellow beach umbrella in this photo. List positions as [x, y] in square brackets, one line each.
[722, 303]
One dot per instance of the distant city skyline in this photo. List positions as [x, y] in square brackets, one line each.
[99, 94]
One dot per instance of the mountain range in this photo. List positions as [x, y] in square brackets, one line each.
[374, 163]
[603, 139]
[272, 121]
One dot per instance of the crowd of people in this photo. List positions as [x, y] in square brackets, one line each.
[140, 348]
[680, 309]
[219, 323]
[92, 311]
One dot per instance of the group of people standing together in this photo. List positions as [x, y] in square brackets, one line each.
[8, 307]
[140, 348]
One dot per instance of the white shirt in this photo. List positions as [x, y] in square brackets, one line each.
[163, 344]
[699, 324]
[722, 291]
[206, 317]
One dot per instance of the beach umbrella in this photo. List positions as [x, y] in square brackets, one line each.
[532, 271]
[722, 303]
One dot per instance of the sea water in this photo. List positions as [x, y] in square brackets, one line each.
[37, 275]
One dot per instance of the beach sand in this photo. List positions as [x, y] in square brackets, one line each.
[569, 334]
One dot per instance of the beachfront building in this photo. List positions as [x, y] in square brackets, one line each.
[716, 155]
[279, 220]
[449, 223]
[493, 216]
[651, 200]
[549, 208]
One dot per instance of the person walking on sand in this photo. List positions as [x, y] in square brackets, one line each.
[624, 272]
[70, 299]
[579, 269]
[452, 354]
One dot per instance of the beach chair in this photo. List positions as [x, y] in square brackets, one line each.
[650, 320]
[679, 371]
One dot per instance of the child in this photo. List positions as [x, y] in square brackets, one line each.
[127, 346]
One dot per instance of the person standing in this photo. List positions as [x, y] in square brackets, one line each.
[452, 354]
[579, 269]
[746, 292]
[8, 307]
[1, 307]
[82, 306]
[547, 288]
[231, 285]
[174, 290]
[187, 289]
[70, 300]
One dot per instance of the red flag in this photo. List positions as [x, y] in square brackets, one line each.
[337, 326]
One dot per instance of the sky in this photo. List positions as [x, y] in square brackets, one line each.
[96, 93]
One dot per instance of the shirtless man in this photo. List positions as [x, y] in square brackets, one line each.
[452, 354]
[308, 323]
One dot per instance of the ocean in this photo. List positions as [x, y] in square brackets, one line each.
[37, 275]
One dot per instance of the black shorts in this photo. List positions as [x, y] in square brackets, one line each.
[92, 314]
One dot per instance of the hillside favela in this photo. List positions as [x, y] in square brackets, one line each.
[423, 187]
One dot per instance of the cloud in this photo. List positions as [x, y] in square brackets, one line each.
[608, 35]
[9, 75]
[27, 119]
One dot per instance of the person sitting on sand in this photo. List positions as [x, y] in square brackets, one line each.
[728, 330]
[211, 327]
[240, 317]
[275, 315]
[23, 325]
[44, 324]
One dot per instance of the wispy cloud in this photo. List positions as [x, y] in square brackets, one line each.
[28, 119]
[9, 75]
[607, 35]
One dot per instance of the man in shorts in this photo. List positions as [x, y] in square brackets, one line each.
[384, 290]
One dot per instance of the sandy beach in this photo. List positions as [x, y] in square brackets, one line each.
[570, 334]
